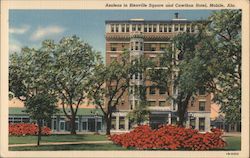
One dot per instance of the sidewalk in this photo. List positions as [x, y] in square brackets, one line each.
[62, 143]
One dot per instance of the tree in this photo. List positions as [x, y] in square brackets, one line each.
[28, 73]
[210, 59]
[41, 107]
[71, 69]
[183, 70]
[222, 44]
[28, 82]
[62, 69]
[140, 112]
[110, 82]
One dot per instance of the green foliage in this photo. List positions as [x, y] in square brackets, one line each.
[223, 44]
[62, 69]
[210, 58]
[110, 83]
[27, 73]
[41, 106]
[140, 113]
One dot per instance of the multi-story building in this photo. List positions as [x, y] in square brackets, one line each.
[150, 38]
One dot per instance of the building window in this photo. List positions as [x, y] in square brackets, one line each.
[62, 124]
[154, 28]
[151, 103]
[54, 124]
[162, 103]
[163, 47]
[133, 27]
[122, 123]
[127, 28]
[25, 120]
[176, 27]
[150, 28]
[161, 28]
[202, 91]
[182, 27]
[113, 47]
[202, 105]
[117, 28]
[113, 122]
[188, 28]
[139, 27]
[112, 28]
[145, 28]
[192, 122]
[152, 90]
[84, 126]
[123, 27]
[153, 47]
[141, 45]
[131, 105]
[162, 90]
[99, 125]
[201, 124]
[165, 28]
[136, 45]
[192, 28]
[169, 28]
[131, 45]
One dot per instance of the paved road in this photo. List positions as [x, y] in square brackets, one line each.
[62, 143]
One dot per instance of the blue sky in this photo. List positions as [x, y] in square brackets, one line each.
[31, 27]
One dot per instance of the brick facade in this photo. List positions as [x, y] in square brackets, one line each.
[151, 38]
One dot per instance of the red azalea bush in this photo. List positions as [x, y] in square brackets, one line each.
[21, 129]
[169, 137]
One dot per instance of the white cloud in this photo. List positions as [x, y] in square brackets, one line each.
[42, 32]
[19, 30]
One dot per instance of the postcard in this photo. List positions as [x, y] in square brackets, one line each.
[123, 78]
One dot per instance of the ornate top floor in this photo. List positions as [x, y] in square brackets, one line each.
[150, 26]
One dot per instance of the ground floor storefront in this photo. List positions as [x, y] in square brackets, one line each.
[195, 120]
[91, 120]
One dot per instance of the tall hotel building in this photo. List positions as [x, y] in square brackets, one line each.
[149, 39]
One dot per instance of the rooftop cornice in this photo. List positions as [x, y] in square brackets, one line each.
[153, 21]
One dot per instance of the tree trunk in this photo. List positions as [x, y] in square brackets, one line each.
[182, 108]
[39, 123]
[181, 118]
[108, 123]
[73, 125]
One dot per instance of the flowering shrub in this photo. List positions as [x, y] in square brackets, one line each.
[21, 129]
[169, 137]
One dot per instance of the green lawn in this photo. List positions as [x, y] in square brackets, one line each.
[233, 143]
[56, 138]
[70, 147]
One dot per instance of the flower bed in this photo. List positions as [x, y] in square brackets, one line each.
[22, 129]
[170, 137]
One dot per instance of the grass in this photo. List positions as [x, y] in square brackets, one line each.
[233, 143]
[69, 147]
[56, 138]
